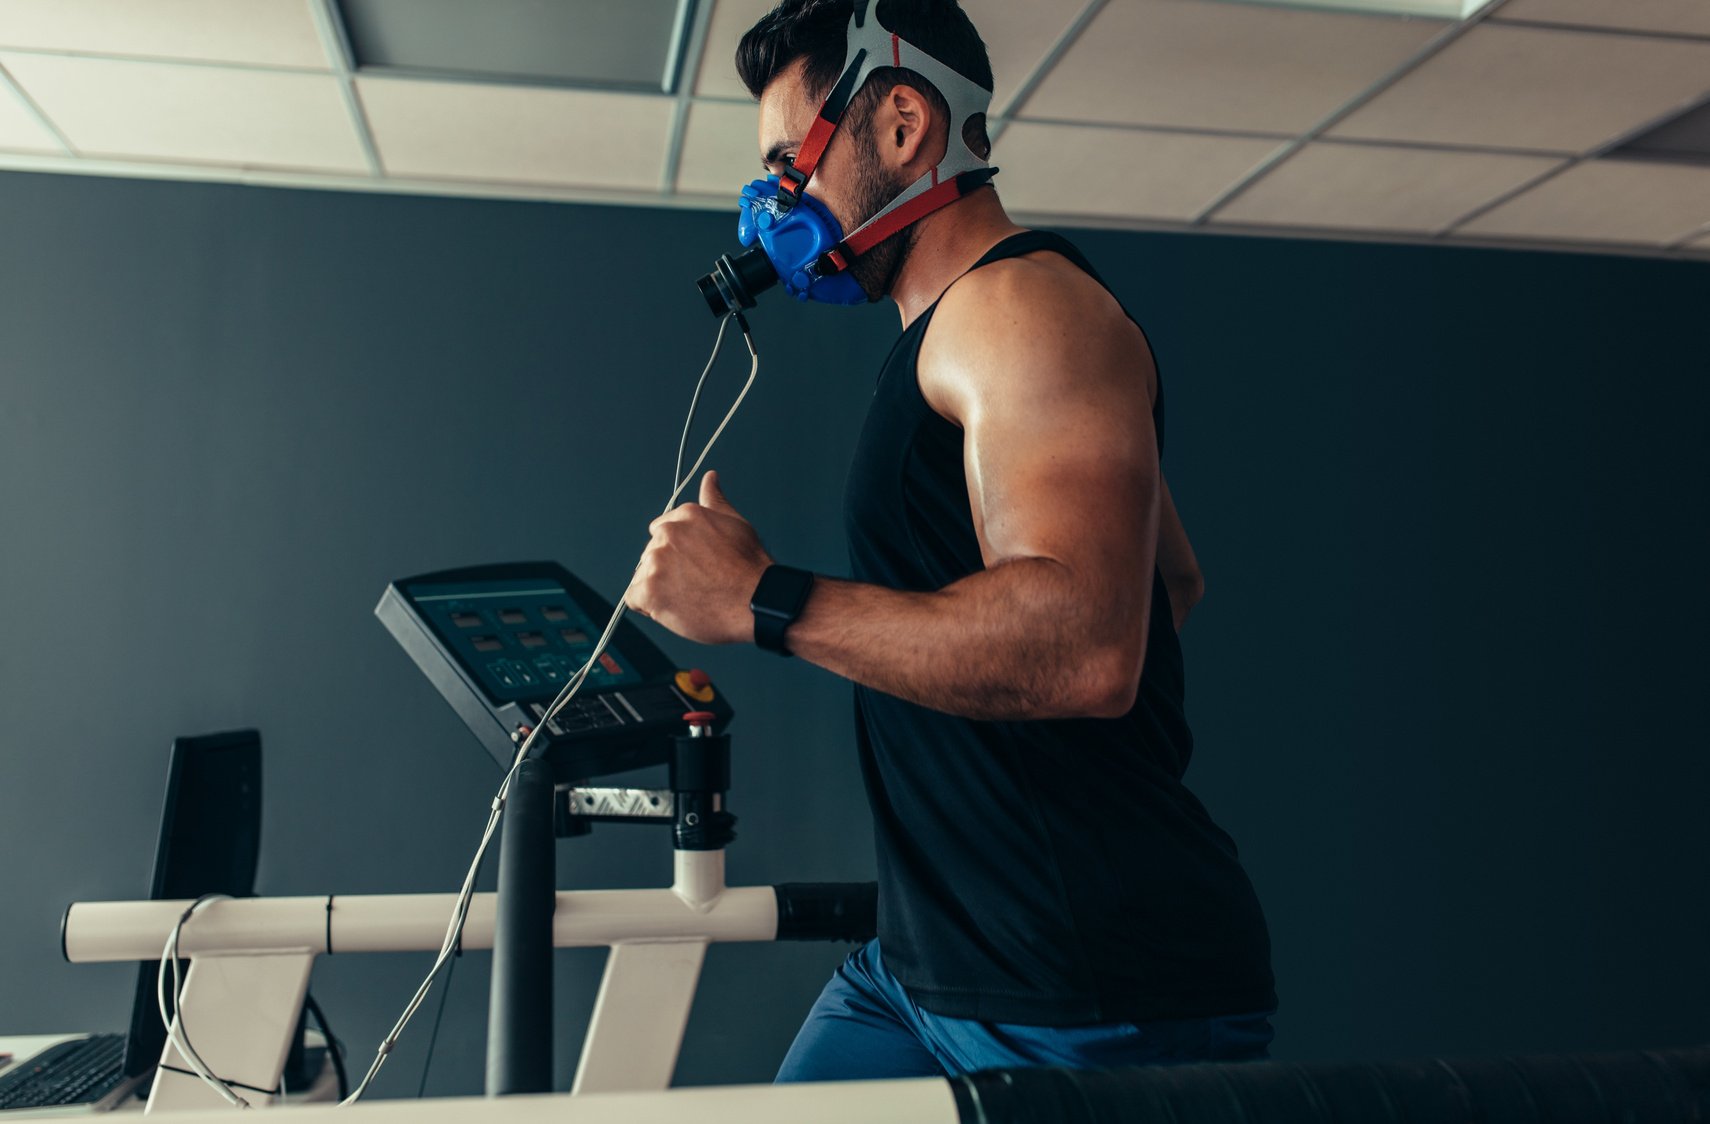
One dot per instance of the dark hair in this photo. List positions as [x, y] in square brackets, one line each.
[816, 32]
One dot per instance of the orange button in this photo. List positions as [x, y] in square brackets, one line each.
[695, 685]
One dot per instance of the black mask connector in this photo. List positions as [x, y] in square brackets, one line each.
[735, 282]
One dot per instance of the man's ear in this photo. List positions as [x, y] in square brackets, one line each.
[906, 119]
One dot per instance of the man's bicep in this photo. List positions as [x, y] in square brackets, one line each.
[1062, 459]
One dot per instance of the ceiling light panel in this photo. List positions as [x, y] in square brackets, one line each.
[619, 44]
[1118, 173]
[1206, 65]
[256, 32]
[581, 138]
[1665, 17]
[124, 109]
[1685, 139]
[1366, 187]
[1535, 88]
[721, 150]
[1606, 201]
[20, 129]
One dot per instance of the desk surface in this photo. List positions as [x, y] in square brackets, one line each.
[23, 1047]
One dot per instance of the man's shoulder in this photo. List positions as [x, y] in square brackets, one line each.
[1015, 315]
[1017, 301]
[1041, 280]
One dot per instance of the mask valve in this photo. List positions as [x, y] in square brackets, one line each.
[735, 281]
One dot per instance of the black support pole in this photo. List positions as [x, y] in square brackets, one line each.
[519, 1010]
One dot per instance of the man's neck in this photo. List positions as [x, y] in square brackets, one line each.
[946, 243]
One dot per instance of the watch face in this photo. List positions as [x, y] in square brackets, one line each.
[782, 592]
[778, 600]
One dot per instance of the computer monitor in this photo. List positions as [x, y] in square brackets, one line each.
[210, 838]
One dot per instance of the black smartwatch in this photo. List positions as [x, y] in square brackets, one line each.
[777, 602]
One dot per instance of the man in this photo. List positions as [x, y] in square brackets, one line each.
[1049, 892]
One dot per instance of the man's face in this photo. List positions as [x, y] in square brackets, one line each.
[851, 180]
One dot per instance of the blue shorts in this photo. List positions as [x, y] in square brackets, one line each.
[865, 1026]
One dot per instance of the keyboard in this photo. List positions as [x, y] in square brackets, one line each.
[75, 1072]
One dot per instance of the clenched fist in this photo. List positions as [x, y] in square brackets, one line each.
[700, 569]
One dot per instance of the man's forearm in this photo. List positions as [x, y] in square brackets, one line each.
[1176, 559]
[1010, 642]
[1185, 592]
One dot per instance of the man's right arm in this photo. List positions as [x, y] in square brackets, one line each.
[1176, 562]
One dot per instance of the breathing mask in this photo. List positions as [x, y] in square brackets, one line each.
[792, 238]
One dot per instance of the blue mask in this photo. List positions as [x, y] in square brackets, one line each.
[794, 240]
[789, 236]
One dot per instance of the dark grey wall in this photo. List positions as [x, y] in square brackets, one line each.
[1444, 683]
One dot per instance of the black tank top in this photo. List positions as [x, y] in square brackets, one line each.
[1049, 872]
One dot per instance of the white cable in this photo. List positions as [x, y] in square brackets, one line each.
[176, 1032]
[695, 400]
[460, 912]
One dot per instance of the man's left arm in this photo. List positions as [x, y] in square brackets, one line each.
[1050, 387]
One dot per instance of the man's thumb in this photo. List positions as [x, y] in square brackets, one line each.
[712, 496]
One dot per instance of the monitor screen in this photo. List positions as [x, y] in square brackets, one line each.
[519, 639]
[210, 839]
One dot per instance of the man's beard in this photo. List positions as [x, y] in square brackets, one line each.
[876, 270]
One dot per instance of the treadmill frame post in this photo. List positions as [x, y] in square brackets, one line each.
[519, 1006]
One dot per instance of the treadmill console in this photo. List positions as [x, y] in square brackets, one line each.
[500, 642]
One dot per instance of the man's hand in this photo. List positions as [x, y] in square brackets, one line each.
[698, 573]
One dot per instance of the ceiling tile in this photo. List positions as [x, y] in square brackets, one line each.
[266, 32]
[1203, 65]
[720, 150]
[1121, 173]
[583, 138]
[716, 77]
[1687, 17]
[20, 131]
[1537, 88]
[149, 110]
[1366, 187]
[1435, 9]
[1017, 38]
[1632, 202]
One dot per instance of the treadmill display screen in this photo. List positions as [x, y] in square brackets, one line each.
[521, 639]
